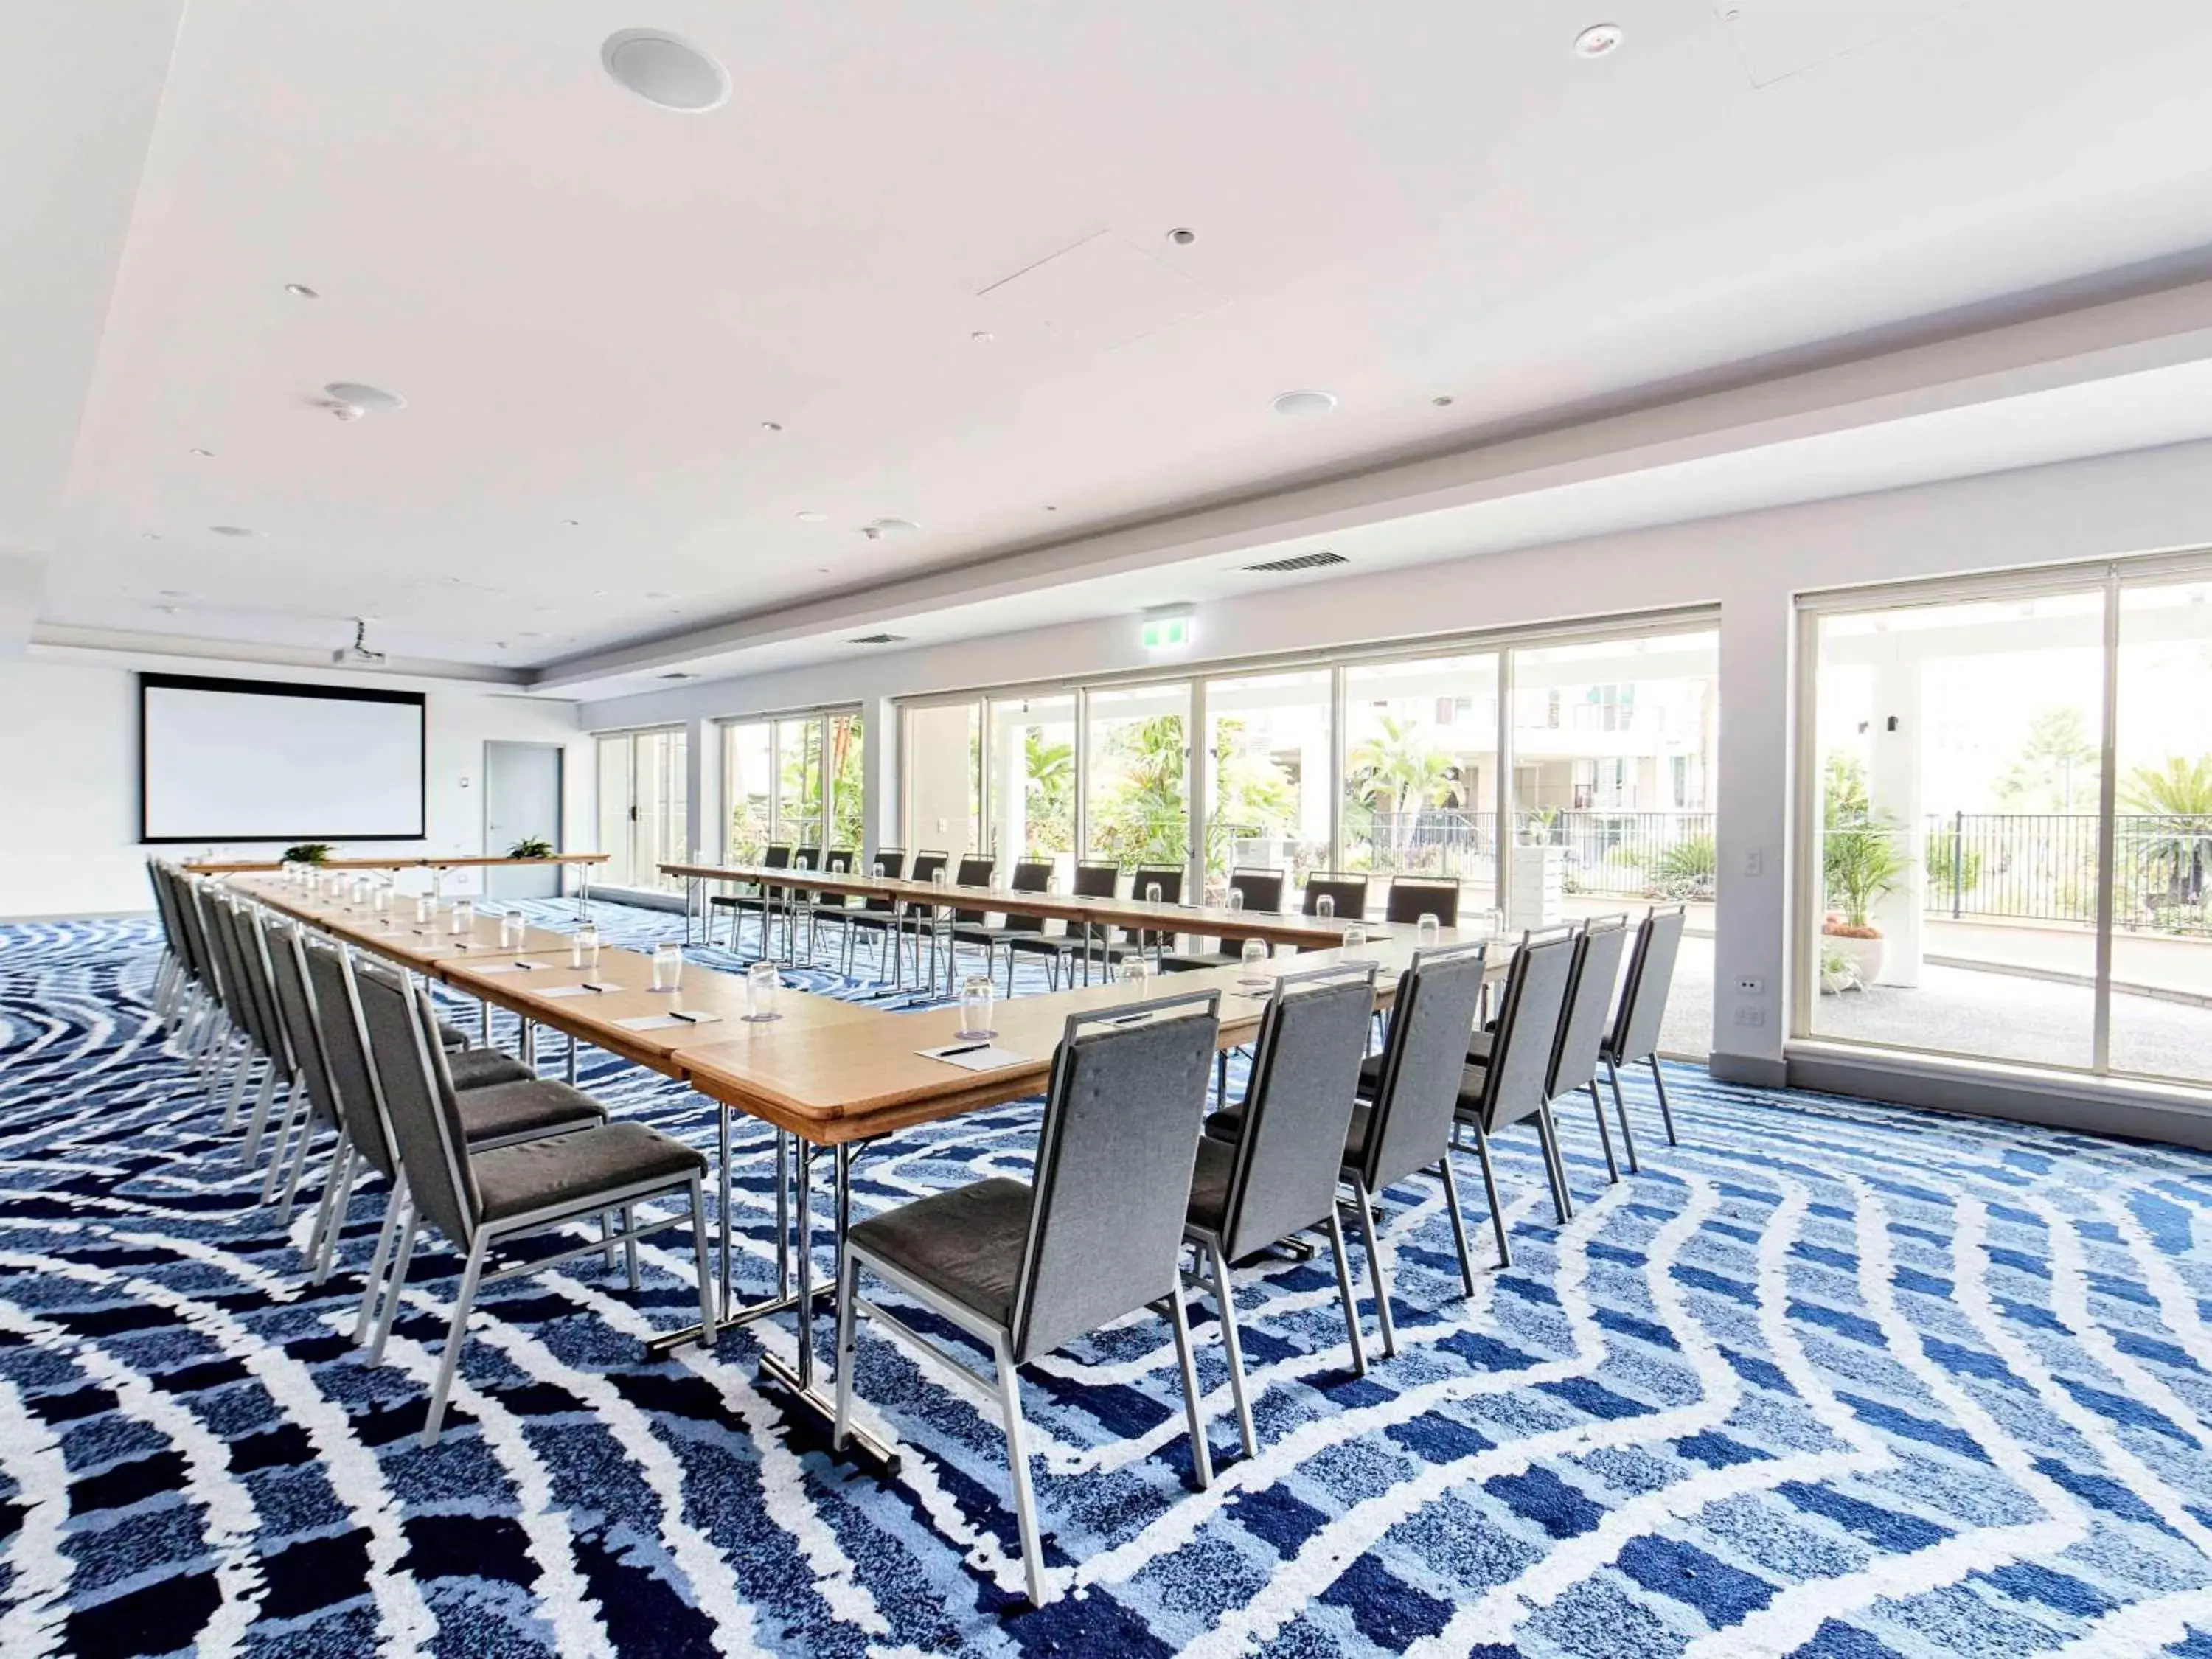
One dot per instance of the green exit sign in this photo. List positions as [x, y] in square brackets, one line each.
[1166, 632]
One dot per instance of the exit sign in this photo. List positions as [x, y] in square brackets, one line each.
[1167, 633]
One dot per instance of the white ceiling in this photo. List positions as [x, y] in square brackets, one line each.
[593, 305]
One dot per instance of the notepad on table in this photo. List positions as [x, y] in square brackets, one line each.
[665, 1021]
[974, 1056]
[564, 991]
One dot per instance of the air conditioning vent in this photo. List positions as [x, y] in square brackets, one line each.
[878, 638]
[679, 675]
[1300, 562]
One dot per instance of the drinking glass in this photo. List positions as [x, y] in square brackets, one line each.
[1140, 973]
[941, 877]
[380, 904]
[1255, 952]
[360, 889]
[464, 916]
[667, 965]
[1427, 931]
[584, 948]
[976, 998]
[1355, 943]
[762, 983]
[1151, 892]
[425, 907]
[1325, 906]
[511, 930]
[1237, 898]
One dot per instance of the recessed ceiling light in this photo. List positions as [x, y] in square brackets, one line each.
[1183, 236]
[665, 69]
[572, 523]
[983, 336]
[813, 518]
[894, 527]
[771, 426]
[1597, 40]
[1300, 404]
[230, 530]
[1049, 508]
[205, 454]
[301, 291]
[150, 535]
[373, 398]
[1443, 402]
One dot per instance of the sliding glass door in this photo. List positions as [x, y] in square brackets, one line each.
[1268, 756]
[644, 807]
[1420, 771]
[1031, 781]
[2009, 815]
[1136, 781]
[941, 767]
[793, 780]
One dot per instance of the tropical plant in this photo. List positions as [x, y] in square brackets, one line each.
[1049, 792]
[1860, 859]
[308, 852]
[2172, 837]
[1688, 867]
[1142, 815]
[2057, 758]
[535, 847]
[1400, 771]
[1954, 871]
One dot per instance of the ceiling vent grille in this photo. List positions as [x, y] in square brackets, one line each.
[679, 675]
[878, 638]
[1299, 562]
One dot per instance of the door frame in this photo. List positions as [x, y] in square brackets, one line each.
[559, 800]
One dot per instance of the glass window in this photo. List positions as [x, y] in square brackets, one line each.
[1137, 783]
[748, 784]
[844, 736]
[1268, 769]
[644, 807]
[799, 782]
[1420, 771]
[1032, 781]
[615, 811]
[942, 767]
[1952, 889]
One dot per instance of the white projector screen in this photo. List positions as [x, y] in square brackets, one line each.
[254, 760]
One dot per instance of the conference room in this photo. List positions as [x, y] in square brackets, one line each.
[1151, 831]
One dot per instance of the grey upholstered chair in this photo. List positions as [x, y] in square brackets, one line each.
[822, 907]
[1635, 1034]
[1147, 941]
[1256, 890]
[755, 899]
[501, 1103]
[1280, 1176]
[479, 1200]
[976, 870]
[1029, 1268]
[1412, 897]
[879, 916]
[919, 921]
[1515, 1081]
[1094, 879]
[1598, 951]
[1407, 1124]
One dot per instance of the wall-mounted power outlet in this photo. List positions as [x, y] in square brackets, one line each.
[1750, 985]
[1750, 1016]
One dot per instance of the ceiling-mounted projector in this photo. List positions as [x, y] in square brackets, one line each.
[358, 655]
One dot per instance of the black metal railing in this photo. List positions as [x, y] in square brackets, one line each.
[1618, 854]
[2042, 867]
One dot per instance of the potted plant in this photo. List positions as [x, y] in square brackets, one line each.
[535, 847]
[1862, 864]
[308, 852]
[1837, 972]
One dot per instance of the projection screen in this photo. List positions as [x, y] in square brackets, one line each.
[256, 760]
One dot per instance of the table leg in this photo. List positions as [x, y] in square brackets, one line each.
[797, 1382]
[726, 1224]
[583, 892]
[783, 1301]
[530, 1044]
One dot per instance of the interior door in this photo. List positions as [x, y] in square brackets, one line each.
[522, 802]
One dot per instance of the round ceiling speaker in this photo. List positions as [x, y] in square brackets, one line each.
[664, 69]
[372, 399]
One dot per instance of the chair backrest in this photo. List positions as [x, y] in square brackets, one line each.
[1424, 1058]
[838, 862]
[784, 858]
[777, 858]
[1263, 889]
[976, 870]
[254, 996]
[177, 911]
[1517, 1079]
[1168, 878]
[360, 1099]
[1411, 898]
[926, 864]
[419, 1104]
[295, 1004]
[199, 904]
[1598, 951]
[1651, 976]
[164, 911]
[1348, 892]
[889, 863]
[1113, 1169]
[1098, 879]
[1305, 1070]
[1030, 876]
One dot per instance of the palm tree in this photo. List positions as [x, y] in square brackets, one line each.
[2175, 802]
[1400, 771]
[1048, 808]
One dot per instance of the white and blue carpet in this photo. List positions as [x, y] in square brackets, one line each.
[1826, 1379]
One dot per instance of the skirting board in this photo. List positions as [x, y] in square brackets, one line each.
[2091, 1106]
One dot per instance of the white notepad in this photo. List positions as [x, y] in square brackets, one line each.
[564, 991]
[665, 1021]
[510, 968]
[975, 1057]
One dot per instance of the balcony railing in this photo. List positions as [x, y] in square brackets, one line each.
[1622, 855]
[2042, 867]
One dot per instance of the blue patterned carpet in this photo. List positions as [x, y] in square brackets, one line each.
[1826, 1379]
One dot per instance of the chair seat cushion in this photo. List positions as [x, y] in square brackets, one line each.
[451, 1036]
[1193, 962]
[966, 1243]
[518, 1109]
[1478, 1048]
[570, 1171]
[1058, 943]
[479, 1068]
[1230, 1126]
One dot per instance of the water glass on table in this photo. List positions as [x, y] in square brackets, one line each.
[464, 916]
[975, 1001]
[1355, 943]
[584, 948]
[1427, 931]
[1255, 953]
[667, 965]
[511, 931]
[1325, 906]
[425, 907]
[762, 983]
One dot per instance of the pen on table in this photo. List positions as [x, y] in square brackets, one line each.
[971, 1049]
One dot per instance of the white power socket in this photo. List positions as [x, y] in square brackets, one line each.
[1750, 1016]
[1750, 985]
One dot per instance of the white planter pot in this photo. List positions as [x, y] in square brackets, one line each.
[1865, 954]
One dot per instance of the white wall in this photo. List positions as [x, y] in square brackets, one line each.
[68, 785]
[1752, 565]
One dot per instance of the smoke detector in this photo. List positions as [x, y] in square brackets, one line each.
[358, 653]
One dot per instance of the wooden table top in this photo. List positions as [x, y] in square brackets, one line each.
[829, 1070]
[1208, 920]
[459, 861]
